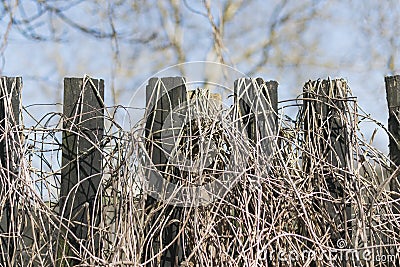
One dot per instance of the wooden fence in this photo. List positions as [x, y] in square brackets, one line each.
[326, 135]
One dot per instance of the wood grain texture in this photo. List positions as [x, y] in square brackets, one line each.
[81, 173]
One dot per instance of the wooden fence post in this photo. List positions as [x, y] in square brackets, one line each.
[256, 108]
[10, 93]
[163, 95]
[80, 193]
[392, 84]
[257, 103]
[326, 145]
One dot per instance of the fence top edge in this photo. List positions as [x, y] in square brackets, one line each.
[82, 78]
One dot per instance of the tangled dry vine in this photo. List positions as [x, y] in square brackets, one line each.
[311, 191]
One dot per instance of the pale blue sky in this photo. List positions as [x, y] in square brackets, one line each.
[332, 45]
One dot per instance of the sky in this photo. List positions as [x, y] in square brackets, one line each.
[333, 45]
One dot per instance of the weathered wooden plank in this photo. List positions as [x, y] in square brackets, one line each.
[256, 109]
[10, 109]
[257, 102]
[82, 160]
[326, 156]
[163, 95]
[392, 84]
[393, 99]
